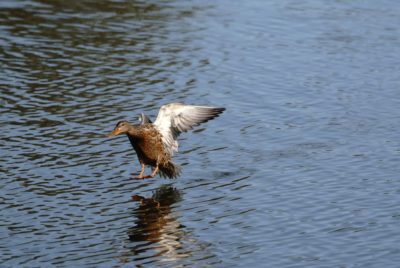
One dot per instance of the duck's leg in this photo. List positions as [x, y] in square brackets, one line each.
[154, 172]
[141, 172]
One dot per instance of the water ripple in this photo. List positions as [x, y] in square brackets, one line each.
[301, 170]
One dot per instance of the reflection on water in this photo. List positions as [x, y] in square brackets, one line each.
[158, 235]
[154, 223]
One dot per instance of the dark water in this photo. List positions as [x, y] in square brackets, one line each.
[302, 170]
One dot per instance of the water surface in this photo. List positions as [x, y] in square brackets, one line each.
[300, 171]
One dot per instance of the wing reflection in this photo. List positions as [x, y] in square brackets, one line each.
[156, 224]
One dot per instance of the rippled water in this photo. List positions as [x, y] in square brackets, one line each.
[302, 170]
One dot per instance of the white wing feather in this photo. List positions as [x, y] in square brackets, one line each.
[175, 118]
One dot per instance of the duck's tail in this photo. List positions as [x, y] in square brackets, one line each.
[170, 170]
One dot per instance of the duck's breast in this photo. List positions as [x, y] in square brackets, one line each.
[150, 146]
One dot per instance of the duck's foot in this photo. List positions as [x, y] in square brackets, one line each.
[143, 177]
[141, 174]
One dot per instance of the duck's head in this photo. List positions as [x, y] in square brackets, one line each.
[122, 127]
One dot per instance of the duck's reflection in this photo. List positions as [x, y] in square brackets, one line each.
[156, 224]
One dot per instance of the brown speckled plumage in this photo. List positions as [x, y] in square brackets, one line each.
[147, 142]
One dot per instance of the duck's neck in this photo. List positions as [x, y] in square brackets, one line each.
[133, 135]
[133, 132]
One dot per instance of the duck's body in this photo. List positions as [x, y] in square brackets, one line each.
[147, 142]
[155, 143]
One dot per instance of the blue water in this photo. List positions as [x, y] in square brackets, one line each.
[302, 169]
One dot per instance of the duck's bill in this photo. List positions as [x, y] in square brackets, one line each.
[113, 133]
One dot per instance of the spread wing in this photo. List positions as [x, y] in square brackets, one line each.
[144, 119]
[175, 118]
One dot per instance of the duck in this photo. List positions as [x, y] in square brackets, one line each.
[156, 142]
